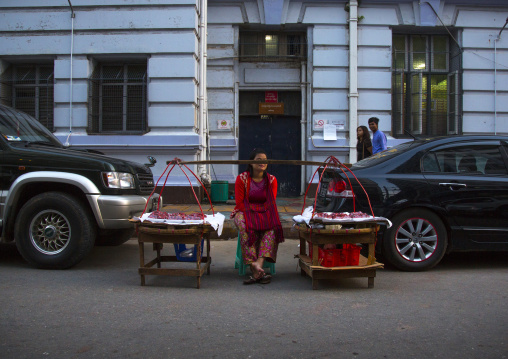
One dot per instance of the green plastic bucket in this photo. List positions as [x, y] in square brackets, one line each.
[219, 191]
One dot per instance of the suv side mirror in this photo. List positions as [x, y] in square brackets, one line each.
[152, 160]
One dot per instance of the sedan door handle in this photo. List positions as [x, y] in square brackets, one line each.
[453, 186]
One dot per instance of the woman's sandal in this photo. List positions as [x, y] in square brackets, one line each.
[251, 280]
[267, 278]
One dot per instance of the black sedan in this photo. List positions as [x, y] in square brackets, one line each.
[442, 194]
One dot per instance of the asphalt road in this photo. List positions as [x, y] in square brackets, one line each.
[99, 310]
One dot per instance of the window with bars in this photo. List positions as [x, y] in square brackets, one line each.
[29, 88]
[118, 99]
[272, 46]
[425, 85]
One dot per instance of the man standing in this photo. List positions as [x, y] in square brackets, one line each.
[378, 137]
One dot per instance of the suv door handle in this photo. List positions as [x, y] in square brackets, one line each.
[453, 186]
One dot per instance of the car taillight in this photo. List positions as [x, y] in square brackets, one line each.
[338, 188]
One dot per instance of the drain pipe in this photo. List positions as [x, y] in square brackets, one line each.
[495, 76]
[303, 124]
[353, 78]
[73, 15]
[204, 133]
[205, 86]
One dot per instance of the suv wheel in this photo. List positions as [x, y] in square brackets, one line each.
[54, 230]
[416, 241]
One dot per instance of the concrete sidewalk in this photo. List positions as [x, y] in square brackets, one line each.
[288, 207]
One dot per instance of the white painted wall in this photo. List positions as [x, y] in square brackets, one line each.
[330, 80]
[485, 66]
[161, 32]
[328, 70]
[222, 52]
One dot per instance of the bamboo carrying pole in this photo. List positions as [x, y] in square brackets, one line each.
[273, 162]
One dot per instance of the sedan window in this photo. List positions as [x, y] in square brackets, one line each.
[387, 154]
[495, 166]
[430, 163]
[466, 159]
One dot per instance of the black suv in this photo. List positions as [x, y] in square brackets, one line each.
[57, 202]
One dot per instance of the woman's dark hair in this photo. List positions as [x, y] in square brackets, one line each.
[366, 134]
[253, 155]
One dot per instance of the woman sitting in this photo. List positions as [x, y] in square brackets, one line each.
[256, 217]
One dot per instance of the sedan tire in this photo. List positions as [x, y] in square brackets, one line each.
[416, 241]
[54, 230]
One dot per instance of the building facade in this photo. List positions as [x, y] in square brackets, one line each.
[208, 79]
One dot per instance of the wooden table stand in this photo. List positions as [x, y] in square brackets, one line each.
[310, 266]
[159, 237]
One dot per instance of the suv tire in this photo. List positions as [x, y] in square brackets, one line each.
[54, 230]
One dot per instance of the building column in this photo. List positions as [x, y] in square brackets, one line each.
[353, 78]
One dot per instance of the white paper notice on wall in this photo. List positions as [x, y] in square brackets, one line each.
[223, 124]
[340, 124]
[319, 124]
[330, 133]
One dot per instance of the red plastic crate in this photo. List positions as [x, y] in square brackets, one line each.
[332, 257]
[352, 254]
[349, 255]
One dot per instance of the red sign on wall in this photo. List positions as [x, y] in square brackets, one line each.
[271, 96]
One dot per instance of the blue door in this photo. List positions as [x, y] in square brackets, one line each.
[280, 137]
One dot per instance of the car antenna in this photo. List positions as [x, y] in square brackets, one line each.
[410, 134]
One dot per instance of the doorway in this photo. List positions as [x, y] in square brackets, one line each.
[280, 137]
[278, 134]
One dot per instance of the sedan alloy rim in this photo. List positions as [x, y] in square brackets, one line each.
[416, 240]
[50, 232]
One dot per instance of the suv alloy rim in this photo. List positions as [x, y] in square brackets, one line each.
[50, 232]
[416, 240]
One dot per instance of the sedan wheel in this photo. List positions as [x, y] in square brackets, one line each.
[416, 241]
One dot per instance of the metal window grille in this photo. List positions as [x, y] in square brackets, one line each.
[29, 88]
[117, 99]
[425, 92]
[273, 46]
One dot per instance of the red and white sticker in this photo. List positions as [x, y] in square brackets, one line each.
[319, 124]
